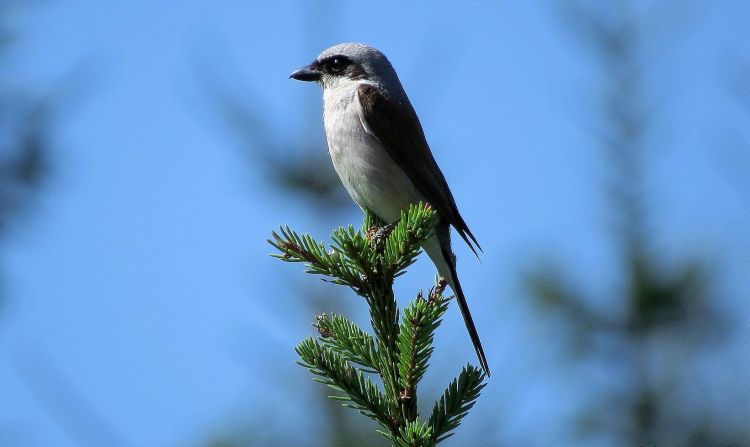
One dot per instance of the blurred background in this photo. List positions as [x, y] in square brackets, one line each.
[600, 151]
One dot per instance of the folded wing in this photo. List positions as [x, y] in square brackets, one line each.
[396, 126]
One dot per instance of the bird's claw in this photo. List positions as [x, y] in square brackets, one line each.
[378, 235]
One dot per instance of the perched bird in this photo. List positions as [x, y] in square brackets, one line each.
[380, 153]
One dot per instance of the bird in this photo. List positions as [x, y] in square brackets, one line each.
[381, 155]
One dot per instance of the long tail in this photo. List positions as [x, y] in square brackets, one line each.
[439, 250]
[463, 306]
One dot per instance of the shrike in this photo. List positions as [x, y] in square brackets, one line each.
[380, 153]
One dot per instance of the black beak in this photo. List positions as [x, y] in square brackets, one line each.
[307, 74]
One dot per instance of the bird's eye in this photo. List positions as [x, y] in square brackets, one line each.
[339, 63]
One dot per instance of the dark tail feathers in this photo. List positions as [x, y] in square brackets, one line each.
[464, 307]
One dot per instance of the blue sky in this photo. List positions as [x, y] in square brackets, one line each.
[143, 274]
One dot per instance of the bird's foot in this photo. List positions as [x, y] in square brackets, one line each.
[378, 235]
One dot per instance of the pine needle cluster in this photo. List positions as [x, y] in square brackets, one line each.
[377, 374]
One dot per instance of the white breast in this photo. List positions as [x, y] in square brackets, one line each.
[371, 177]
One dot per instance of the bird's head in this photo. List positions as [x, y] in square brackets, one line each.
[346, 63]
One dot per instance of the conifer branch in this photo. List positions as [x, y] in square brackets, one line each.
[344, 356]
[456, 402]
[333, 370]
[421, 319]
[346, 338]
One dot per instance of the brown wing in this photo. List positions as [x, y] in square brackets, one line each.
[396, 126]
